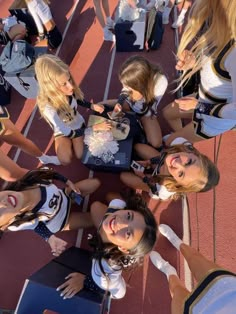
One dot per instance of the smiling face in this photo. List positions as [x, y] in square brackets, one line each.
[185, 168]
[65, 84]
[10, 204]
[123, 228]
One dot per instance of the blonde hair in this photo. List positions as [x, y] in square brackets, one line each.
[207, 180]
[48, 68]
[211, 25]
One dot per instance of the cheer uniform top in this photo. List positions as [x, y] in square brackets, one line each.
[113, 280]
[69, 125]
[55, 205]
[3, 115]
[216, 293]
[140, 107]
[217, 89]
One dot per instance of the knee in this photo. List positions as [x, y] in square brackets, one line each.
[166, 111]
[96, 183]
[65, 160]
[156, 143]
[95, 205]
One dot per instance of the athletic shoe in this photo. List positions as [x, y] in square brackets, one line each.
[178, 22]
[110, 23]
[108, 35]
[162, 264]
[45, 159]
[170, 235]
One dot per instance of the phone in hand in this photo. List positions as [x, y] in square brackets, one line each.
[136, 166]
[76, 197]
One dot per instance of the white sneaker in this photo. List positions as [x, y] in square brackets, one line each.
[45, 159]
[110, 23]
[108, 35]
[170, 235]
[162, 264]
[178, 22]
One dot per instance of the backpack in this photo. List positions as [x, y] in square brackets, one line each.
[17, 56]
[155, 30]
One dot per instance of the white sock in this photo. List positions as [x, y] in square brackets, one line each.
[45, 159]
[182, 13]
[162, 264]
[170, 235]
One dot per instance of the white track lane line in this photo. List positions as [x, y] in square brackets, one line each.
[86, 200]
[185, 209]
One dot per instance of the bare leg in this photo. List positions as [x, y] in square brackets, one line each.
[88, 186]
[12, 136]
[197, 263]
[78, 146]
[146, 151]
[130, 179]
[17, 31]
[152, 130]
[98, 12]
[173, 115]
[105, 5]
[187, 132]
[78, 220]
[98, 210]
[179, 294]
[63, 148]
[9, 170]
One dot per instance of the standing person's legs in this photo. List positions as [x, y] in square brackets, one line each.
[98, 12]
[180, 19]
[178, 291]
[107, 34]
[33, 11]
[167, 10]
[198, 264]
[106, 8]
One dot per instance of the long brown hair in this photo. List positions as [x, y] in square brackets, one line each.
[110, 251]
[139, 74]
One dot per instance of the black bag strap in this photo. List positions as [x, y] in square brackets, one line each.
[25, 85]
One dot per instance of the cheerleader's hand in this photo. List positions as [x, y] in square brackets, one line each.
[97, 108]
[57, 245]
[186, 61]
[186, 103]
[104, 126]
[72, 187]
[73, 284]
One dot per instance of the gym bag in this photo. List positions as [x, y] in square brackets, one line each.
[155, 30]
[17, 56]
